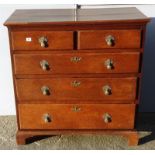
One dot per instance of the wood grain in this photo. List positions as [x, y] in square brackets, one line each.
[67, 16]
[97, 39]
[56, 40]
[88, 63]
[89, 89]
[89, 116]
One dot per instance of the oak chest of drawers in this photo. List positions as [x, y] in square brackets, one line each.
[77, 72]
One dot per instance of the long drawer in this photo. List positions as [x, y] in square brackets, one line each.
[70, 63]
[42, 40]
[109, 39]
[76, 89]
[76, 116]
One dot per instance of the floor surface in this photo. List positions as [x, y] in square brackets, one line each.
[145, 125]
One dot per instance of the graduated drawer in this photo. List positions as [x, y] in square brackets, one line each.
[109, 39]
[42, 40]
[76, 116]
[76, 89]
[125, 62]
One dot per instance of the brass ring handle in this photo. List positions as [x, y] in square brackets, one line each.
[75, 83]
[44, 65]
[107, 118]
[107, 90]
[43, 41]
[109, 64]
[76, 109]
[47, 118]
[75, 59]
[45, 90]
[110, 40]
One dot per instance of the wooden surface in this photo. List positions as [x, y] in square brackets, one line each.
[59, 40]
[89, 89]
[66, 16]
[97, 39]
[23, 137]
[56, 40]
[88, 117]
[61, 63]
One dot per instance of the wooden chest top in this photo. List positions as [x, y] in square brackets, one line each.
[72, 16]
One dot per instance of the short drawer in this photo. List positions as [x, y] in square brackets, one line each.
[76, 89]
[42, 40]
[71, 63]
[109, 39]
[76, 116]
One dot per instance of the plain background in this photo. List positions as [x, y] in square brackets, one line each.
[7, 103]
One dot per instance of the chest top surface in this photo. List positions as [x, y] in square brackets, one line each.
[72, 16]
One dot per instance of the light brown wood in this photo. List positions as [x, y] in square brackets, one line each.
[88, 89]
[86, 63]
[97, 39]
[21, 138]
[56, 40]
[133, 138]
[68, 16]
[78, 102]
[79, 116]
[140, 50]
[42, 76]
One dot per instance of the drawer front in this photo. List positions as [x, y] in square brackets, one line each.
[42, 40]
[76, 89]
[109, 39]
[76, 63]
[76, 116]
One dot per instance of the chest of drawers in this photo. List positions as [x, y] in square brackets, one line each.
[77, 73]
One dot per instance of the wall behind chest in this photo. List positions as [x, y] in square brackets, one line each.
[7, 103]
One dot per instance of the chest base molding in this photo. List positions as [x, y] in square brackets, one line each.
[26, 137]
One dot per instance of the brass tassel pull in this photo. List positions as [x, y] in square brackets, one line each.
[44, 65]
[107, 118]
[109, 64]
[45, 90]
[43, 41]
[107, 90]
[110, 40]
[47, 118]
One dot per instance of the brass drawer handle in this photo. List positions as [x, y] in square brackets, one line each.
[107, 90]
[43, 41]
[110, 40]
[109, 64]
[76, 109]
[44, 65]
[75, 83]
[75, 59]
[45, 90]
[47, 118]
[107, 118]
